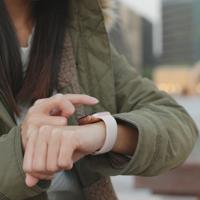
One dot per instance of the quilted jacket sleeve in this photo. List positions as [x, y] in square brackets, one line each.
[12, 177]
[166, 132]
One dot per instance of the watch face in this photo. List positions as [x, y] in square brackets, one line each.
[89, 119]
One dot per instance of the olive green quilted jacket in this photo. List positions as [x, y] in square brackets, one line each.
[166, 132]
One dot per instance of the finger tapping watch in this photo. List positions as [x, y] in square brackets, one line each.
[111, 131]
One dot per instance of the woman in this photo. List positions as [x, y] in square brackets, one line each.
[50, 47]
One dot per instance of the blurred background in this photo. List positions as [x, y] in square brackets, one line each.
[161, 39]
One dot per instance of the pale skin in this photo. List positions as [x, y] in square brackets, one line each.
[49, 144]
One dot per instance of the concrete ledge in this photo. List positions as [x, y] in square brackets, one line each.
[184, 180]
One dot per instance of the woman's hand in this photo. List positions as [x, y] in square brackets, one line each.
[52, 149]
[52, 111]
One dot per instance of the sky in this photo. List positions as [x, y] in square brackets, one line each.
[148, 8]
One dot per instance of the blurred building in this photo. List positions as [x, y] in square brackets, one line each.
[181, 31]
[132, 35]
[147, 47]
[178, 80]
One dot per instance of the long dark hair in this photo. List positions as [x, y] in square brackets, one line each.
[51, 18]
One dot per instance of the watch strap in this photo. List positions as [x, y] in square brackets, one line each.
[111, 131]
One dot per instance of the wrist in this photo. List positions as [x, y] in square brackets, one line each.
[92, 136]
[110, 127]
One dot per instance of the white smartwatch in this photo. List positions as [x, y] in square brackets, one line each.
[111, 131]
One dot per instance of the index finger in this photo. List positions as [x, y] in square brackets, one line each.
[78, 99]
[64, 103]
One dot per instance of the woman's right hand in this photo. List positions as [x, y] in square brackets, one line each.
[53, 111]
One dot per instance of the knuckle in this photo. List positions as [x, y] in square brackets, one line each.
[27, 169]
[44, 129]
[31, 110]
[67, 165]
[55, 132]
[37, 168]
[58, 97]
[44, 137]
[38, 102]
[44, 134]
[29, 121]
[55, 135]
[71, 110]
[52, 168]
[32, 119]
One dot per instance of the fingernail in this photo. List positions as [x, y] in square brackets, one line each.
[95, 100]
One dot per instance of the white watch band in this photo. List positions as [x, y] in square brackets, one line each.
[111, 131]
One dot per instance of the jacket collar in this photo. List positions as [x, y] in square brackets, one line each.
[92, 51]
[86, 15]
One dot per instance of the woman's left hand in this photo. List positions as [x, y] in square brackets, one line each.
[52, 149]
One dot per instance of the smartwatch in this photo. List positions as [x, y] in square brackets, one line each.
[111, 130]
